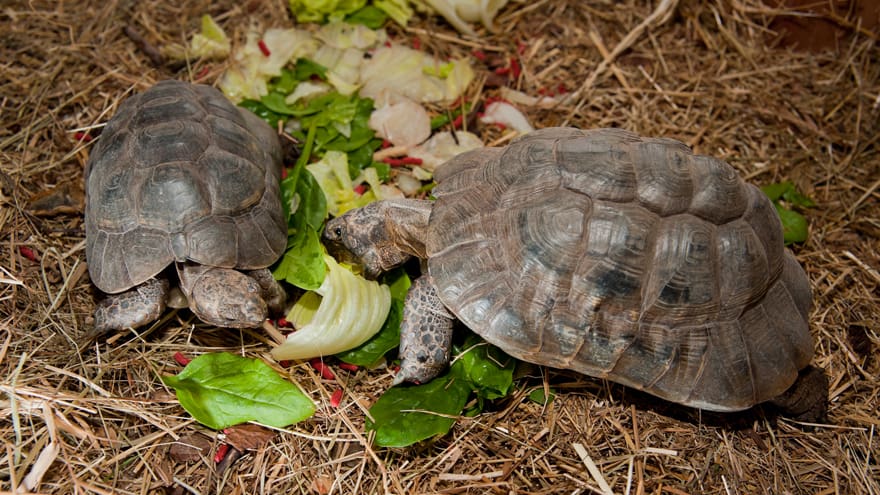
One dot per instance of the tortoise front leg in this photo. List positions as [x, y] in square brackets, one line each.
[133, 308]
[425, 334]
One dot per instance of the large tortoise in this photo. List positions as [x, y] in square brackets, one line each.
[181, 175]
[599, 251]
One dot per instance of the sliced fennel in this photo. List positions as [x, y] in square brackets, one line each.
[351, 311]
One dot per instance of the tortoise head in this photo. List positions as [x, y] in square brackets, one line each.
[363, 236]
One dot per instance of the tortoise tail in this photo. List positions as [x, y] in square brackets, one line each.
[807, 399]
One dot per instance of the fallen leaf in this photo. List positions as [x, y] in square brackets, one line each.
[248, 436]
[190, 448]
[64, 198]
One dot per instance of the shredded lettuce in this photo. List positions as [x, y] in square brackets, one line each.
[460, 12]
[212, 42]
[398, 10]
[400, 70]
[248, 76]
[332, 174]
[321, 10]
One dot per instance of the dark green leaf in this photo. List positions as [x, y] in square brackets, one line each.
[303, 263]
[485, 367]
[538, 396]
[312, 202]
[305, 69]
[796, 198]
[398, 282]
[383, 170]
[405, 415]
[263, 112]
[274, 101]
[360, 159]
[221, 390]
[794, 225]
[372, 17]
[285, 83]
[775, 191]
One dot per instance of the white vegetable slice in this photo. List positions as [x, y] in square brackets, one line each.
[443, 146]
[352, 310]
[403, 123]
[507, 115]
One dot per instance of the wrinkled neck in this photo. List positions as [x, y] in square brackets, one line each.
[407, 224]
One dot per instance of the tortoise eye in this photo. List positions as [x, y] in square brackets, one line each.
[337, 232]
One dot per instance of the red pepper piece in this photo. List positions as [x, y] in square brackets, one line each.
[412, 160]
[323, 369]
[348, 366]
[515, 69]
[263, 48]
[394, 162]
[181, 359]
[222, 450]
[28, 253]
[82, 136]
[479, 55]
[336, 398]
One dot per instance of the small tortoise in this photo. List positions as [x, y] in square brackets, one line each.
[181, 175]
[599, 251]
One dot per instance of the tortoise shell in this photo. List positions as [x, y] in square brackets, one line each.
[626, 258]
[179, 174]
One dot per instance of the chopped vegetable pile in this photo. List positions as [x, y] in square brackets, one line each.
[352, 99]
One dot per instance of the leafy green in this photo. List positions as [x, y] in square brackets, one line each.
[212, 42]
[537, 395]
[794, 224]
[370, 16]
[323, 10]
[486, 367]
[263, 112]
[479, 368]
[221, 390]
[399, 10]
[306, 208]
[406, 415]
[371, 351]
[787, 191]
[305, 69]
[303, 262]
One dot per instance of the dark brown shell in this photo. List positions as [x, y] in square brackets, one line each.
[625, 258]
[180, 173]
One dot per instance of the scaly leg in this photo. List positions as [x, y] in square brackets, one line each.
[425, 334]
[133, 308]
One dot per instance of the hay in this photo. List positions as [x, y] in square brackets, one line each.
[86, 415]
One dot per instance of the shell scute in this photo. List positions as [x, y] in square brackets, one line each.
[181, 173]
[625, 258]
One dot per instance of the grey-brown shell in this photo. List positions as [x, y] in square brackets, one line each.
[180, 173]
[625, 258]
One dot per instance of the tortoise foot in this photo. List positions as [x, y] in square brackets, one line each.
[133, 308]
[807, 399]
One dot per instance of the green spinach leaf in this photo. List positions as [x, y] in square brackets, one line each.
[221, 390]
